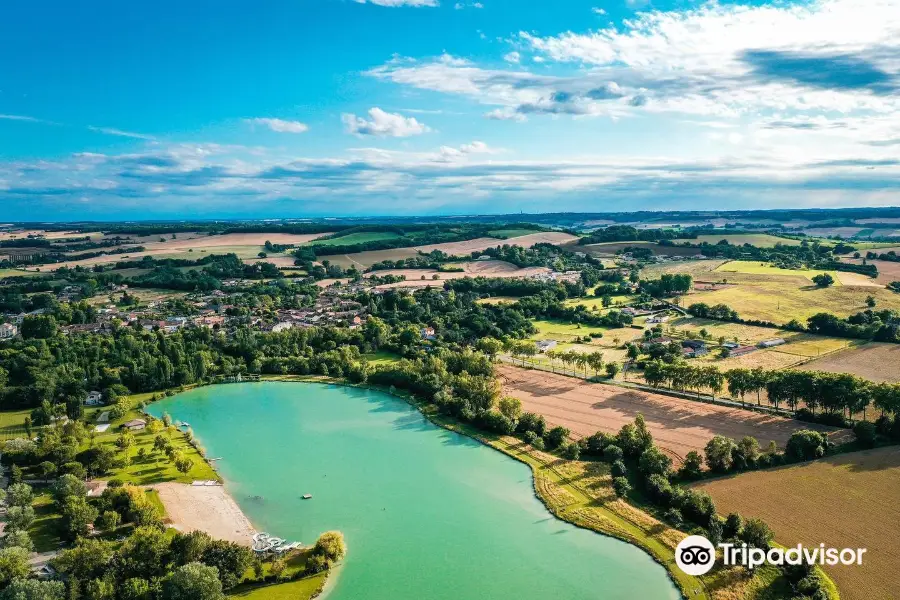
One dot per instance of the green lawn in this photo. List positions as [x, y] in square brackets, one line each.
[356, 238]
[12, 423]
[590, 302]
[44, 531]
[381, 358]
[300, 589]
[562, 332]
[154, 469]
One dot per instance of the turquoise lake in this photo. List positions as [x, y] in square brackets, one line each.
[427, 514]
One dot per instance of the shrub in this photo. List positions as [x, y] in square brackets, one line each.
[556, 437]
[673, 516]
[571, 451]
[692, 467]
[621, 486]
[865, 433]
[619, 469]
[612, 453]
[805, 445]
[756, 533]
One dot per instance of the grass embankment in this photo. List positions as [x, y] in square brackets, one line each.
[301, 588]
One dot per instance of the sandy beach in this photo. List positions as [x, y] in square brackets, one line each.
[205, 508]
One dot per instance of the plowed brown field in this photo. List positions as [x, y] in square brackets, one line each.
[677, 425]
[845, 501]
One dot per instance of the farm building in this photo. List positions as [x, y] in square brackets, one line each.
[693, 348]
[428, 333]
[772, 343]
[741, 350]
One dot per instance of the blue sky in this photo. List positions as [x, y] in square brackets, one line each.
[112, 110]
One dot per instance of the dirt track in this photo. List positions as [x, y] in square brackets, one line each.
[677, 425]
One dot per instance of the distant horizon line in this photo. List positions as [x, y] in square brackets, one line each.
[699, 212]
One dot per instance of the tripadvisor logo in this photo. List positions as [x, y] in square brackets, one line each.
[696, 555]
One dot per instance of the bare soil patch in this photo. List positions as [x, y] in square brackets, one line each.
[845, 501]
[678, 425]
[875, 361]
[205, 508]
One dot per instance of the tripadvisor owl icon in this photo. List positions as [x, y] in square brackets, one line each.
[695, 555]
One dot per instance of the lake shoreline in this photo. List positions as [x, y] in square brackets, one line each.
[667, 563]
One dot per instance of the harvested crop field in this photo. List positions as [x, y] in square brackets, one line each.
[845, 501]
[486, 268]
[780, 298]
[760, 240]
[874, 361]
[888, 271]
[245, 245]
[678, 425]
[478, 244]
[609, 249]
[364, 260]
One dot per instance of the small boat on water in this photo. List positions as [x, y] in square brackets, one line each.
[307, 496]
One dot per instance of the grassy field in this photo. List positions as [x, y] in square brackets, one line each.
[757, 268]
[778, 298]
[12, 423]
[301, 589]
[356, 238]
[562, 332]
[594, 302]
[381, 358]
[17, 273]
[149, 470]
[846, 501]
[760, 240]
[511, 233]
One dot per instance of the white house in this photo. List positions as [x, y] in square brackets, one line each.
[94, 398]
[7, 331]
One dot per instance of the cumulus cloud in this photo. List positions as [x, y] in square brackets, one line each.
[223, 178]
[383, 124]
[513, 57]
[280, 125]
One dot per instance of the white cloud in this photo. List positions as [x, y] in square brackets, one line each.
[19, 118]
[120, 133]
[505, 114]
[395, 3]
[823, 55]
[280, 125]
[384, 124]
[513, 57]
[598, 11]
